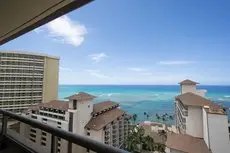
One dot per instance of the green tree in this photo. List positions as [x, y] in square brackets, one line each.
[148, 144]
[158, 117]
[147, 115]
[137, 141]
[134, 117]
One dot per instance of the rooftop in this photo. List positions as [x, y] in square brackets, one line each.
[102, 120]
[186, 143]
[103, 106]
[56, 104]
[188, 82]
[29, 53]
[81, 96]
[191, 99]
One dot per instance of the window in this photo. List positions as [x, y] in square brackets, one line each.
[43, 138]
[32, 130]
[32, 140]
[43, 144]
[44, 133]
[88, 106]
[74, 104]
[34, 117]
[32, 135]
[59, 123]
[44, 119]
[88, 133]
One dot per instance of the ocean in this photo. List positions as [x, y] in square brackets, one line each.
[138, 99]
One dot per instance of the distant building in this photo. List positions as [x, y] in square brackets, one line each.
[27, 79]
[103, 122]
[201, 123]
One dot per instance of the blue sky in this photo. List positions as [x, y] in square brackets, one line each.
[137, 42]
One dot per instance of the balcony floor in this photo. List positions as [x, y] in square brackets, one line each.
[9, 146]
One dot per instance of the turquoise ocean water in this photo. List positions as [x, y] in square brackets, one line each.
[144, 98]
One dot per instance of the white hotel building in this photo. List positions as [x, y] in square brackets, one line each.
[202, 124]
[103, 122]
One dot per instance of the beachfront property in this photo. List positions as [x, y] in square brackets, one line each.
[202, 124]
[27, 79]
[103, 122]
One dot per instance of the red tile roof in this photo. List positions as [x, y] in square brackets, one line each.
[103, 106]
[100, 121]
[56, 104]
[186, 143]
[81, 96]
[192, 99]
[188, 82]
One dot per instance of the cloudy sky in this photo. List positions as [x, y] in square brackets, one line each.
[136, 42]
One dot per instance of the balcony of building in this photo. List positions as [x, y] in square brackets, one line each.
[12, 141]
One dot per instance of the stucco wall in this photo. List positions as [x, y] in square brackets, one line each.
[194, 122]
[188, 88]
[97, 135]
[205, 127]
[50, 81]
[81, 117]
[218, 133]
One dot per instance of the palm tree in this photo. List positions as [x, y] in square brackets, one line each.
[170, 117]
[134, 118]
[163, 134]
[147, 116]
[158, 117]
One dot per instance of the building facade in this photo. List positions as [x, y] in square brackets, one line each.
[27, 79]
[103, 122]
[200, 122]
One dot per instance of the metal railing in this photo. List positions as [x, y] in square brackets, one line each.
[58, 133]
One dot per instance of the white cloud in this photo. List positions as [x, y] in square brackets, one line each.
[98, 57]
[175, 62]
[136, 69]
[97, 73]
[65, 69]
[65, 30]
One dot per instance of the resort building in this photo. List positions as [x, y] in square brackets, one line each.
[202, 124]
[103, 122]
[27, 79]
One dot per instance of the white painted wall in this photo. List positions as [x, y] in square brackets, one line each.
[201, 92]
[205, 127]
[81, 117]
[25, 132]
[188, 88]
[194, 122]
[218, 133]
[97, 135]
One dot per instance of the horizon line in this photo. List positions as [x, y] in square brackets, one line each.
[144, 84]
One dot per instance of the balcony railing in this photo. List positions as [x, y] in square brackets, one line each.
[55, 134]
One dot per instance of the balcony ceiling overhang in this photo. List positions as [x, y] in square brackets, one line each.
[20, 16]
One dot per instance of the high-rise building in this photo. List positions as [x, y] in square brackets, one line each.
[27, 79]
[202, 124]
[103, 122]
